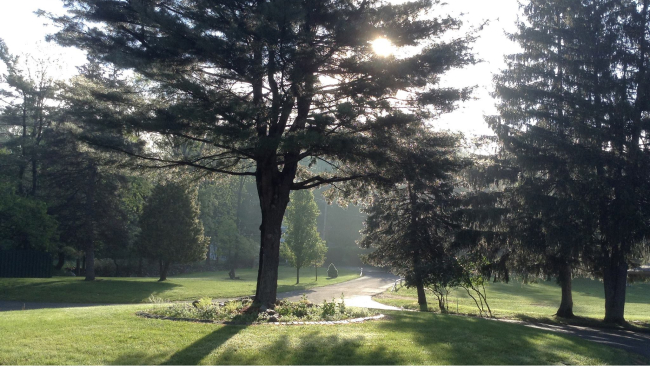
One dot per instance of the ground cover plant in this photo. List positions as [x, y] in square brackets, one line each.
[115, 335]
[538, 300]
[118, 290]
[243, 311]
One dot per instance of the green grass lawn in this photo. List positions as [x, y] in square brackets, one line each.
[538, 300]
[118, 290]
[114, 335]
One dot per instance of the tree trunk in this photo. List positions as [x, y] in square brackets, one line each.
[297, 275]
[60, 262]
[90, 234]
[207, 256]
[34, 171]
[316, 268]
[615, 281]
[164, 266]
[273, 189]
[566, 305]
[77, 268]
[422, 297]
[117, 267]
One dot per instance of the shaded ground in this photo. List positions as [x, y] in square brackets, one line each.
[628, 340]
[21, 305]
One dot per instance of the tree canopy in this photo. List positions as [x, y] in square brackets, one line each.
[573, 112]
[171, 230]
[260, 86]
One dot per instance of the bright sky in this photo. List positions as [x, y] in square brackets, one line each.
[24, 32]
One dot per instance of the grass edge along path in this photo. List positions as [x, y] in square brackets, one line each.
[115, 335]
[536, 302]
[130, 290]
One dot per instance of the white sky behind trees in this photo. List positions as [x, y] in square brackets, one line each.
[24, 33]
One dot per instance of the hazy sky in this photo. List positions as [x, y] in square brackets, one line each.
[24, 32]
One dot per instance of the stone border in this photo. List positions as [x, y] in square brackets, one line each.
[143, 314]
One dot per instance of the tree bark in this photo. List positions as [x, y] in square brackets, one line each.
[422, 297]
[164, 267]
[207, 256]
[615, 281]
[273, 189]
[90, 234]
[297, 275]
[60, 261]
[566, 305]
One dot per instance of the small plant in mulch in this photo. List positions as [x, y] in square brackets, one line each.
[245, 311]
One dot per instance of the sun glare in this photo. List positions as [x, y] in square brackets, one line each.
[383, 47]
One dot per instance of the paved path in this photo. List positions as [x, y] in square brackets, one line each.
[628, 340]
[357, 292]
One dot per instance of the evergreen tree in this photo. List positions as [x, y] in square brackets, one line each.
[302, 244]
[171, 230]
[260, 86]
[410, 223]
[571, 112]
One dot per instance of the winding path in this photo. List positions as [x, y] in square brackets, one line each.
[357, 292]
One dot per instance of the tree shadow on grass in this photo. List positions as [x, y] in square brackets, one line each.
[105, 291]
[314, 348]
[461, 340]
[137, 358]
[197, 351]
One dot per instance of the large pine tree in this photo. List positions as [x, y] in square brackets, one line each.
[572, 113]
[262, 85]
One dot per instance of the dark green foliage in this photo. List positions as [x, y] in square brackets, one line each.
[332, 272]
[410, 224]
[573, 109]
[242, 84]
[171, 230]
[25, 223]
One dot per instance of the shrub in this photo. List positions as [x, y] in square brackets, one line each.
[329, 309]
[332, 272]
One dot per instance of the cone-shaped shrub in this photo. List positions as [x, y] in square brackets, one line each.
[332, 272]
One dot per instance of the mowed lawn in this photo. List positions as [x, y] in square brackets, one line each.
[120, 290]
[115, 335]
[536, 300]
